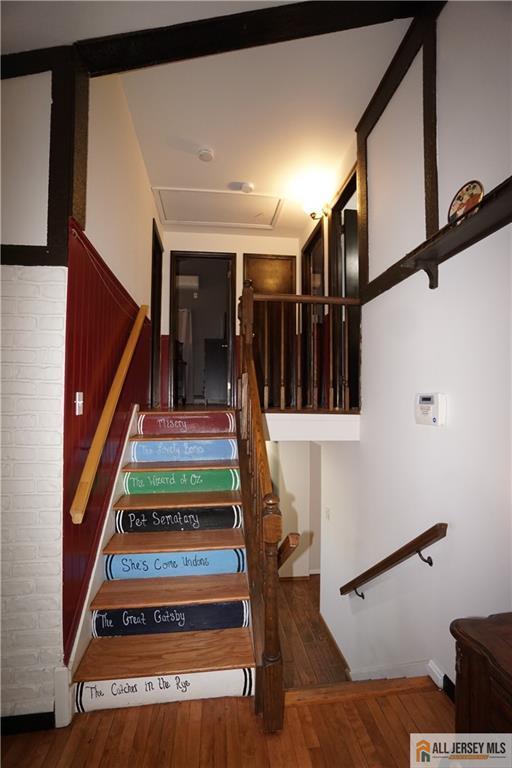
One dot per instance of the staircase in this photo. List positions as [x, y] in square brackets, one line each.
[171, 620]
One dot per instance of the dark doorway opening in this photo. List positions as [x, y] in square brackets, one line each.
[157, 251]
[202, 329]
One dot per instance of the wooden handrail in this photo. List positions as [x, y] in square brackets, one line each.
[296, 298]
[263, 530]
[413, 547]
[83, 491]
[287, 548]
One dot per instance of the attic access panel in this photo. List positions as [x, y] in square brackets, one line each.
[199, 207]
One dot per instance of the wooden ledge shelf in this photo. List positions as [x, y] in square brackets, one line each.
[494, 212]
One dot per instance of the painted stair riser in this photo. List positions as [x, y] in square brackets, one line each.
[138, 691]
[215, 422]
[181, 481]
[183, 450]
[170, 618]
[165, 564]
[184, 519]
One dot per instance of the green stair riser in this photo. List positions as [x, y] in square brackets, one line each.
[181, 481]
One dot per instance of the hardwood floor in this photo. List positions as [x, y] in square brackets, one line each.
[329, 723]
[357, 726]
[310, 655]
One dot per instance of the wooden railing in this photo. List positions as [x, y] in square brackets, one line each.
[413, 547]
[306, 351]
[84, 488]
[263, 532]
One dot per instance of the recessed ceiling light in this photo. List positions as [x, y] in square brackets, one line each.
[205, 154]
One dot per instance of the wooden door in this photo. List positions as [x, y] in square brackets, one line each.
[274, 328]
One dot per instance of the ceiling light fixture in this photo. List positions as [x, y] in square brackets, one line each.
[247, 187]
[205, 154]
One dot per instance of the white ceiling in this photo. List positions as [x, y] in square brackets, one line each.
[269, 113]
[28, 24]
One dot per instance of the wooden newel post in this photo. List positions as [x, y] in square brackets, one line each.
[247, 318]
[273, 692]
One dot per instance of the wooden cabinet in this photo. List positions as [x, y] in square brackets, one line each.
[483, 698]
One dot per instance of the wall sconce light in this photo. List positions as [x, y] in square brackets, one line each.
[316, 215]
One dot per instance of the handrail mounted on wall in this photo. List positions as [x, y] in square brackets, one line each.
[84, 488]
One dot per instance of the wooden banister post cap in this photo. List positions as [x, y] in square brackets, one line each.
[271, 501]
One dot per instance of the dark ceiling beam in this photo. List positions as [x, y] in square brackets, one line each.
[34, 62]
[163, 45]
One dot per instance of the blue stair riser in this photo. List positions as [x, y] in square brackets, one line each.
[183, 450]
[181, 481]
[170, 618]
[184, 519]
[138, 691]
[165, 564]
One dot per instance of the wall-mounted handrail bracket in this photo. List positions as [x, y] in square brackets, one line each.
[428, 560]
[359, 594]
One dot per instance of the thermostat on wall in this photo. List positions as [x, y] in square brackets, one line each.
[430, 408]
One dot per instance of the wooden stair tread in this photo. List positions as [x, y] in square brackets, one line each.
[108, 658]
[318, 694]
[179, 590]
[164, 466]
[178, 500]
[187, 412]
[174, 541]
[186, 436]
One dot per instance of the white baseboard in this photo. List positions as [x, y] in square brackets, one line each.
[63, 697]
[411, 669]
[314, 571]
[435, 672]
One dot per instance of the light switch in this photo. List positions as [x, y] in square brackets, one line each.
[79, 403]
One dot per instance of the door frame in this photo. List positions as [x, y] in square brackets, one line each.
[157, 253]
[231, 320]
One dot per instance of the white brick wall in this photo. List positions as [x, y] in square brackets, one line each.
[33, 335]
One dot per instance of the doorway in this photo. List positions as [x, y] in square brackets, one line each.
[202, 329]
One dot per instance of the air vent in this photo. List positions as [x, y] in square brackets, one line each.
[188, 282]
[199, 207]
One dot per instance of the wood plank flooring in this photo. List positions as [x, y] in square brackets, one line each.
[310, 655]
[370, 731]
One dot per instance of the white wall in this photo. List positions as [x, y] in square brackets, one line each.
[403, 478]
[120, 204]
[396, 199]
[26, 107]
[33, 335]
[228, 243]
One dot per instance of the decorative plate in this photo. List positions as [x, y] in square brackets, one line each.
[466, 200]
